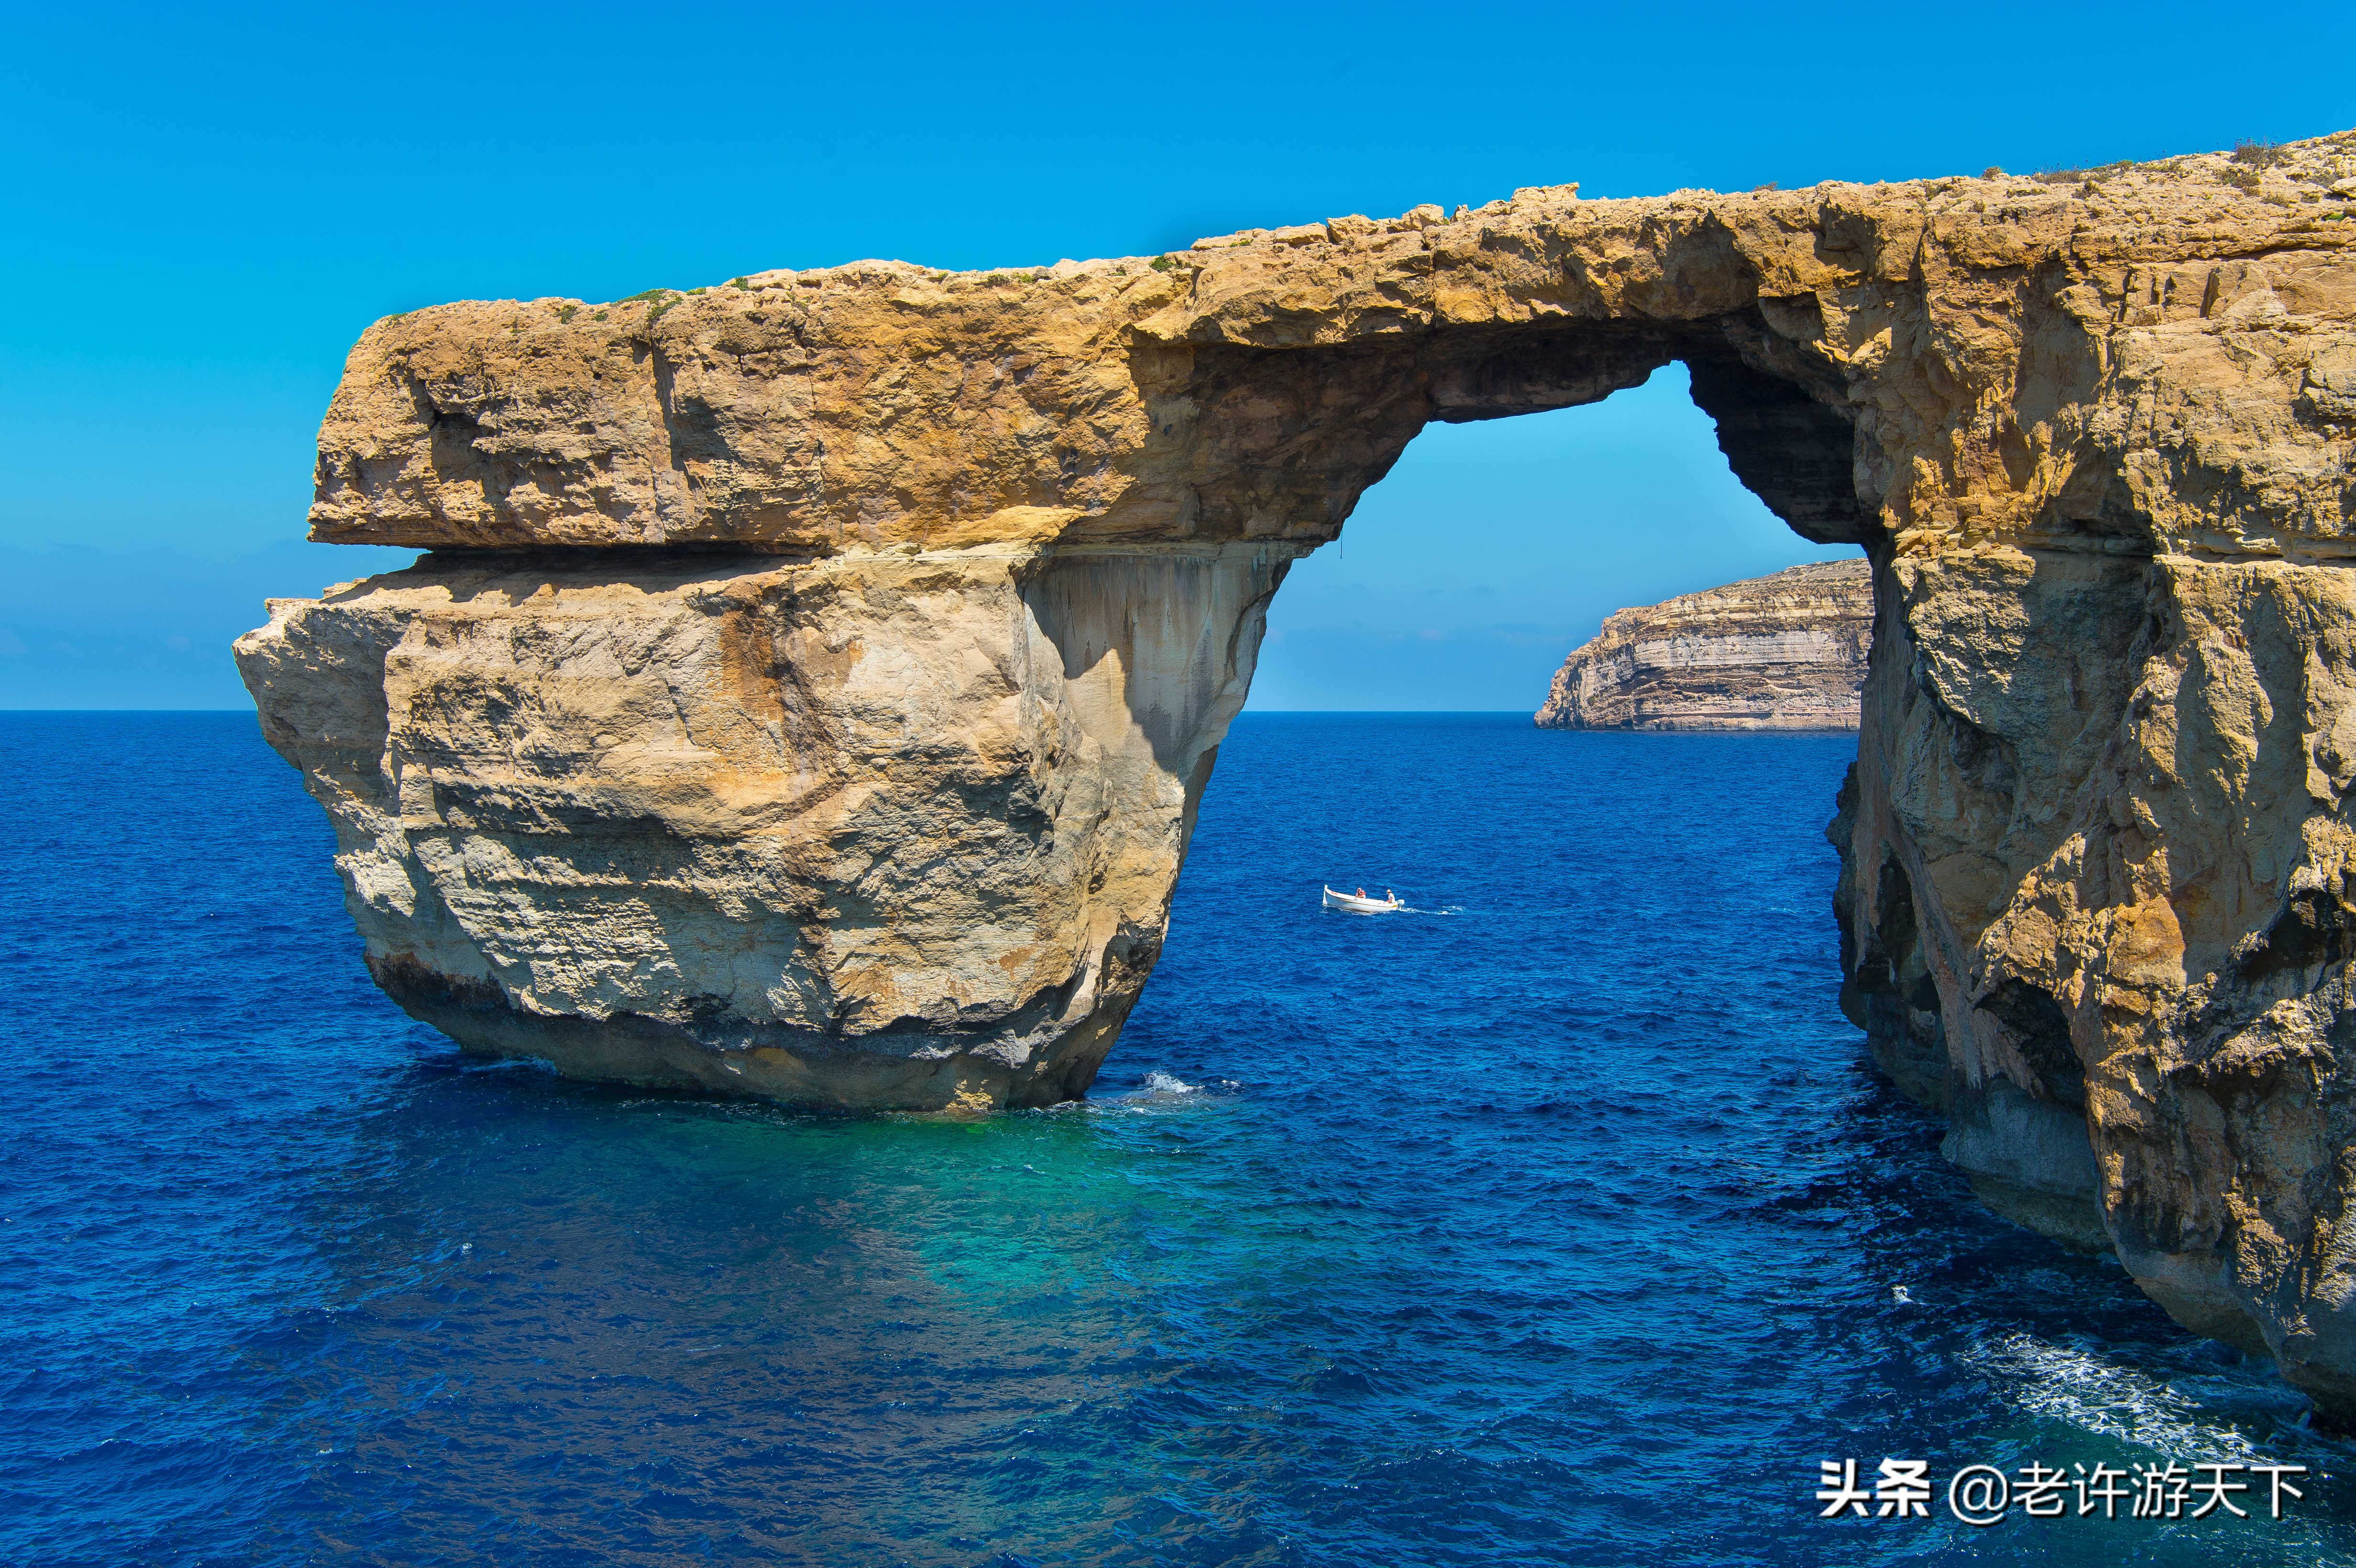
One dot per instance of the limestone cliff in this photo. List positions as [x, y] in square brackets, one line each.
[1785, 652]
[815, 675]
[866, 830]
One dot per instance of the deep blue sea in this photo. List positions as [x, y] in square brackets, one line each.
[1560, 1221]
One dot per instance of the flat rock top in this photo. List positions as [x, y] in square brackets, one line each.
[1814, 587]
[1137, 400]
[1837, 593]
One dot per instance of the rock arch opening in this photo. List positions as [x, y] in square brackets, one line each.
[1295, 437]
[1493, 546]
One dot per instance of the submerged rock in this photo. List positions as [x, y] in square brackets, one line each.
[880, 799]
[1783, 651]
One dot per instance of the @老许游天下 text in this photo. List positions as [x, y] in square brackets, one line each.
[1986, 1495]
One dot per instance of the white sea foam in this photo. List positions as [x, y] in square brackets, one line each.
[1159, 1091]
[2062, 1382]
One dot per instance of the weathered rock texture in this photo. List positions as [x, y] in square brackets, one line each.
[1785, 652]
[888, 812]
[882, 830]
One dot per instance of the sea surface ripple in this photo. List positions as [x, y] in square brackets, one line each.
[1560, 1220]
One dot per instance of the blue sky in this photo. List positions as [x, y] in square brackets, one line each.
[207, 207]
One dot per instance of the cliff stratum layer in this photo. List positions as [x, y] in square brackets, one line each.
[1785, 652]
[813, 677]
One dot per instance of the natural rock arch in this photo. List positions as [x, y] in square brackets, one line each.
[815, 676]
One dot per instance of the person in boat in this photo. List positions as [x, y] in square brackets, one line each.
[1362, 893]
[1389, 897]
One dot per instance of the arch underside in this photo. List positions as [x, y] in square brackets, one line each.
[1300, 435]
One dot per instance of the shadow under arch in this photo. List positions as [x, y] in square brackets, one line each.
[1250, 442]
[1259, 455]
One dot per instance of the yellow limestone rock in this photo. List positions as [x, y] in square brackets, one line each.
[815, 674]
[858, 831]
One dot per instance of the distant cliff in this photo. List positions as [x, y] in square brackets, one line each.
[1785, 652]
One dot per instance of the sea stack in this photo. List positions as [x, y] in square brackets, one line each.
[814, 676]
[1783, 651]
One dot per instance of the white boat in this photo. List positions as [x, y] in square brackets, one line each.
[1357, 905]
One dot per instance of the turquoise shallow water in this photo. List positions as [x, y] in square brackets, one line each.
[1558, 1221]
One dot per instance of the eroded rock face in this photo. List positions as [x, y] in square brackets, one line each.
[879, 800]
[1783, 651]
[866, 830]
